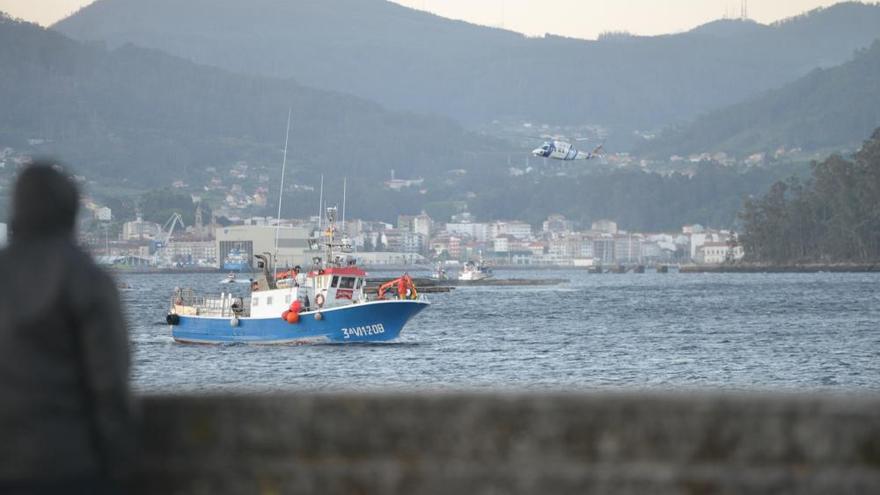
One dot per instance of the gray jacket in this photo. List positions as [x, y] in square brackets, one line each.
[65, 405]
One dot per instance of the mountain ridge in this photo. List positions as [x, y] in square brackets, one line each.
[141, 115]
[415, 61]
[829, 108]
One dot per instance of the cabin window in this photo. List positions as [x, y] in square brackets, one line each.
[346, 283]
[255, 302]
[269, 301]
[335, 281]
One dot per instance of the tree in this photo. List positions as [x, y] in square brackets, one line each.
[834, 217]
[158, 206]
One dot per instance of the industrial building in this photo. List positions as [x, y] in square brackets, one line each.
[293, 243]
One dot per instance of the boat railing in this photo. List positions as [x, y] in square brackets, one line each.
[186, 302]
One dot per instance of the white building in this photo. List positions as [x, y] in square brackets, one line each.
[603, 249]
[715, 253]
[572, 246]
[103, 214]
[557, 224]
[520, 230]
[628, 248]
[476, 231]
[412, 242]
[193, 251]
[139, 230]
[605, 226]
[697, 241]
[422, 224]
[501, 244]
[703, 236]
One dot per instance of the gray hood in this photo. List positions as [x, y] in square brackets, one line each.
[44, 205]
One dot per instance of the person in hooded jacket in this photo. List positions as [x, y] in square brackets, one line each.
[66, 412]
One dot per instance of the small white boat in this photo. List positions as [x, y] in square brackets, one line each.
[474, 271]
[232, 279]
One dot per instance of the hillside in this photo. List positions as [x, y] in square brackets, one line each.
[137, 115]
[828, 108]
[411, 60]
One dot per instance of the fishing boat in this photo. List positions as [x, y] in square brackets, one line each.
[473, 271]
[326, 304]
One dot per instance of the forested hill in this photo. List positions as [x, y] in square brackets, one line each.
[139, 115]
[829, 108]
[833, 217]
[406, 59]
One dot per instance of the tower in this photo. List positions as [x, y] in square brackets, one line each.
[199, 224]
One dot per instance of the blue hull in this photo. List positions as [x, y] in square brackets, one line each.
[376, 321]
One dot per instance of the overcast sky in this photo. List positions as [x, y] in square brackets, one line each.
[575, 18]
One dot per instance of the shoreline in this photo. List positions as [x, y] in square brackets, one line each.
[734, 268]
[786, 268]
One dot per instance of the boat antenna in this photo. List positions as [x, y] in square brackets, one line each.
[321, 204]
[281, 189]
[344, 183]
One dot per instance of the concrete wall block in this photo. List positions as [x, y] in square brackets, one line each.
[606, 443]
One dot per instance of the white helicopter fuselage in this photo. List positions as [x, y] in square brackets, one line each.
[560, 150]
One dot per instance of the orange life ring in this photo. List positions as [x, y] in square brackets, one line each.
[319, 300]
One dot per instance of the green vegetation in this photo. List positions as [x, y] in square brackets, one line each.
[828, 108]
[637, 200]
[832, 217]
[158, 206]
[142, 118]
[134, 120]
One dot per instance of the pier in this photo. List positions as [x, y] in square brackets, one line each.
[602, 443]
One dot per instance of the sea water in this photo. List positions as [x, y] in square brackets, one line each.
[752, 332]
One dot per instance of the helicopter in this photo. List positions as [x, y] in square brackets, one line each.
[561, 150]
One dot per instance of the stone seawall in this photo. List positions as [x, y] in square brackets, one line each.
[509, 444]
[773, 268]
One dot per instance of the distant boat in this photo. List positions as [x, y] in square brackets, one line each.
[474, 271]
[232, 279]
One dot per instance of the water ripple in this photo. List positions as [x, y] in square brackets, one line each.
[669, 331]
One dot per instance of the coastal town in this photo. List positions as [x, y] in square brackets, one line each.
[413, 240]
[232, 229]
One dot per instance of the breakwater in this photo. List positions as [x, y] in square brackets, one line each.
[517, 444]
[431, 285]
[489, 282]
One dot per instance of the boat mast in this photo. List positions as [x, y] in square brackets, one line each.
[331, 221]
[281, 189]
[321, 204]
[344, 183]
